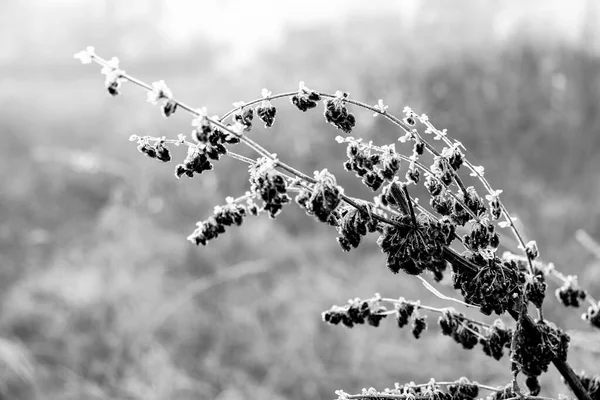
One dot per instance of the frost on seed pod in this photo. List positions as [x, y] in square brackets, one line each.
[442, 170]
[473, 202]
[494, 287]
[266, 111]
[592, 316]
[419, 325]
[535, 289]
[393, 195]
[243, 115]
[366, 165]
[333, 316]
[196, 161]
[506, 393]
[267, 114]
[162, 152]
[210, 147]
[413, 249]
[269, 185]
[463, 332]
[372, 180]
[433, 185]
[158, 151]
[374, 319]
[169, 108]
[412, 174]
[353, 224]
[454, 156]
[442, 204]
[357, 312]
[570, 294]
[390, 163]
[482, 236]
[495, 209]
[206, 231]
[305, 99]
[323, 198]
[497, 338]
[409, 121]
[532, 250]
[223, 216]
[113, 83]
[419, 147]
[337, 114]
[404, 312]
[202, 126]
[463, 389]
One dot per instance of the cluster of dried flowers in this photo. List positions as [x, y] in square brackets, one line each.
[414, 238]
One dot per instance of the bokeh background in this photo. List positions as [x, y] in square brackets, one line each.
[102, 296]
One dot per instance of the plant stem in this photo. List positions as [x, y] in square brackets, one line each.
[449, 254]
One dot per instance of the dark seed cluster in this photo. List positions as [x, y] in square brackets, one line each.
[305, 99]
[323, 199]
[266, 112]
[463, 332]
[404, 313]
[454, 156]
[373, 168]
[244, 116]
[337, 114]
[473, 202]
[531, 249]
[223, 216]
[443, 205]
[481, 237]
[442, 170]
[169, 108]
[353, 224]
[210, 147]
[370, 311]
[535, 289]
[447, 205]
[358, 312]
[393, 195]
[419, 325]
[203, 129]
[269, 185]
[113, 88]
[535, 349]
[570, 294]
[390, 163]
[412, 174]
[495, 209]
[415, 248]
[495, 287]
[433, 185]
[158, 151]
[497, 339]
[196, 161]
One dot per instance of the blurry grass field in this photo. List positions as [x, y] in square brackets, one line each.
[104, 299]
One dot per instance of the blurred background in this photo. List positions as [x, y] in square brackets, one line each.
[102, 296]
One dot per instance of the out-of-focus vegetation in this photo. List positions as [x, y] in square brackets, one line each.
[102, 297]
